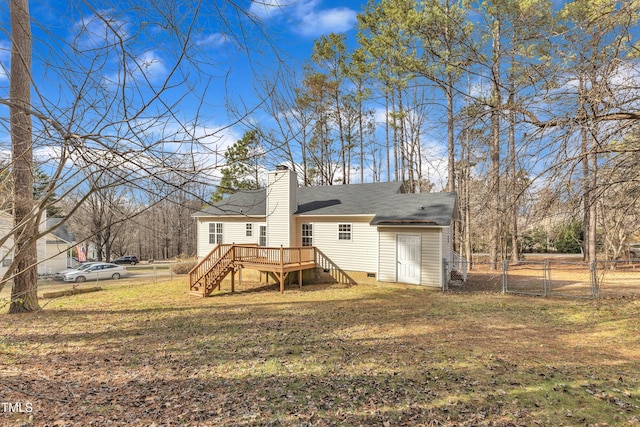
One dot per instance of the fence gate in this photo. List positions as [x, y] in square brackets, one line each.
[525, 278]
[572, 279]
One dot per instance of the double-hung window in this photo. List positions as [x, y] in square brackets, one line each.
[215, 233]
[307, 234]
[249, 230]
[344, 231]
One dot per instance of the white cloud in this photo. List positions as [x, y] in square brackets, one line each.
[149, 65]
[98, 31]
[306, 17]
[268, 9]
[336, 20]
[214, 40]
[146, 67]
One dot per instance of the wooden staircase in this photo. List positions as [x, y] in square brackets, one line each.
[211, 271]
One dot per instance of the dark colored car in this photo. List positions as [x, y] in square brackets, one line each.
[127, 259]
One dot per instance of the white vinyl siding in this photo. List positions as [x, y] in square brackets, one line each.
[357, 254]
[447, 244]
[432, 259]
[431, 245]
[281, 204]
[387, 256]
[234, 230]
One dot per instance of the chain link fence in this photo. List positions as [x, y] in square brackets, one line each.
[553, 278]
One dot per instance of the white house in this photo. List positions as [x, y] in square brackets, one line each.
[372, 231]
[53, 249]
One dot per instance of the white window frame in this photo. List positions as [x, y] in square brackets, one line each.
[309, 236]
[8, 260]
[345, 235]
[262, 238]
[215, 233]
[248, 229]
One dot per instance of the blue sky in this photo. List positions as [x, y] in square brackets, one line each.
[218, 74]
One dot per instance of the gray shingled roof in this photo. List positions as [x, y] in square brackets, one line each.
[61, 232]
[350, 199]
[244, 202]
[386, 201]
[416, 209]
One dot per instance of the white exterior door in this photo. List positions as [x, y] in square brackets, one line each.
[408, 258]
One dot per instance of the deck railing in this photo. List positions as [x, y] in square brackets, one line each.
[281, 257]
[273, 256]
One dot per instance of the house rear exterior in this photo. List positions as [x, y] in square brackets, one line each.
[371, 232]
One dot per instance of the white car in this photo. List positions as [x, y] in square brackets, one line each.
[60, 274]
[96, 271]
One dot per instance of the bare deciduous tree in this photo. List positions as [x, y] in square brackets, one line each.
[130, 90]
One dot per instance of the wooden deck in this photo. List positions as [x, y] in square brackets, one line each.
[225, 258]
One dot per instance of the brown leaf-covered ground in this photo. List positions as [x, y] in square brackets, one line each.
[151, 355]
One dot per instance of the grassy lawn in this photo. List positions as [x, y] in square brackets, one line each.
[149, 354]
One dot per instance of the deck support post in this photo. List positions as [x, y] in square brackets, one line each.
[233, 281]
[282, 275]
[300, 278]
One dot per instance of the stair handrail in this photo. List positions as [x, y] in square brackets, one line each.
[218, 270]
[206, 264]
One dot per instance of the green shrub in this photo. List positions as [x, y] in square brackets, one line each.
[569, 237]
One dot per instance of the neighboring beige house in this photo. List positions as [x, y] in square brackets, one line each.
[54, 249]
[58, 250]
[372, 232]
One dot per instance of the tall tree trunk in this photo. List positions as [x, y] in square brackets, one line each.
[494, 184]
[361, 137]
[386, 130]
[451, 178]
[394, 117]
[586, 191]
[24, 294]
[515, 252]
[303, 154]
[591, 236]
